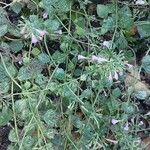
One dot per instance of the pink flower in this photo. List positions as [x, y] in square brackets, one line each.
[80, 57]
[129, 66]
[94, 58]
[114, 121]
[126, 128]
[107, 44]
[41, 32]
[141, 123]
[45, 15]
[34, 40]
[110, 78]
[98, 59]
[120, 73]
[116, 76]
[140, 2]
[132, 120]
[58, 32]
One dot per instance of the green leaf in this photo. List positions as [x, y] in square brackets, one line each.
[83, 77]
[20, 105]
[102, 11]
[146, 63]
[49, 133]
[116, 92]
[67, 93]
[28, 142]
[30, 71]
[144, 28]
[11, 69]
[52, 86]
[4, 46]
[16, 46]
[108, 25]
[44, 58]
[4, 76]
[5, 116]
[87, 93]
[35, 22]
[59, 74]
[51, 25]
[41, 80]
[3, 30]
[16, 7]
[112, 105]
[50, 118]
[80, 22]
[125, 18]
[80, 31]
[12, 147]
[49, 146]
[56, 6]
[129, 55]
[77, 122]
[24, 74]
[121, 42]
[4, 87]
[26, 114]
[13, 30]
[141, 95]
[35, 51]
[77, 72]
[128, 108]
[12, 136]
[3, 18]
[59, 57]
[27, 85]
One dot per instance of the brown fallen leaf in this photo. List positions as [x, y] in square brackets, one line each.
[112, 141]
[146, 141]
[133, 31]
[133, 80]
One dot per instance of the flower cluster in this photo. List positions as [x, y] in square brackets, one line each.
[94, 58]
[115, 121]
[35, 39]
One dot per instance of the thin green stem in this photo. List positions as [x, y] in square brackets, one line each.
[116, 23]
[14, 112]
[3, 62]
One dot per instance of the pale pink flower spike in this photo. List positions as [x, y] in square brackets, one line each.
[116, 76]
[114, 121]
[80, 57]
[41, 32]
[45, 15]
[126, 128]
[98, 59]
[34, 40]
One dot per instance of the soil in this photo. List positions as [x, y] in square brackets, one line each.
[4, 142]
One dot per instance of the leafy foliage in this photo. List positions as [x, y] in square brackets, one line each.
[143, 28]
[55, 6]
[66, 81]
[146, 63]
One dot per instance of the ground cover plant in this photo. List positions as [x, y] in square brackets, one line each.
[74, 74]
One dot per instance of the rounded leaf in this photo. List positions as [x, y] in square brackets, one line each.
[12, 136]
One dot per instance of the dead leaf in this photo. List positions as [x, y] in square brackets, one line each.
[112, 141]
[146, 141]
[133, 80]
[133, 31]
